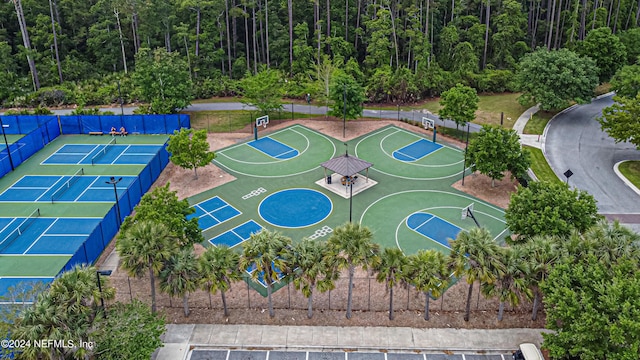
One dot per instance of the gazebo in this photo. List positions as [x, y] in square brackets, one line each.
[347, 167]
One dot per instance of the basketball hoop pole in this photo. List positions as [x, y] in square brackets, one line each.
[470, 213]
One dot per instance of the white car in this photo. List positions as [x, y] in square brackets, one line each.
[527, 351]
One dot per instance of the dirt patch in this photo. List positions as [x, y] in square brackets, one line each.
[371, 299]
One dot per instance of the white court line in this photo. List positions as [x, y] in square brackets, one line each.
[121, 152]
[87, 189]
[89, 153]
[39, 237]
[50, 187]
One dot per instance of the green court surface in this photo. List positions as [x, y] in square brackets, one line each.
[281, 194]
[15, 265]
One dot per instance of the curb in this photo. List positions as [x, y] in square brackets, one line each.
[348, 349]
[623, 178]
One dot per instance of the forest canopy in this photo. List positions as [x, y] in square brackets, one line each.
[84, 52]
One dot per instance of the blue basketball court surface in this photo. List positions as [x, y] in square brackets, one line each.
[83, 188]
[295, 208]
[274, 148]
[212, 212]
[433, 227]
[237, 235]
[44, 236]
[416, 150]
[81, 154]
[261, 280]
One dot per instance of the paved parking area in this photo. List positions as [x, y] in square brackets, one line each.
[204, 354]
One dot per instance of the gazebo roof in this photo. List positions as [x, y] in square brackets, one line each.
[346, 165]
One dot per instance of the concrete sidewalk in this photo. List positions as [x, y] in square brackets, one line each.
[536, 141]
[180, 339]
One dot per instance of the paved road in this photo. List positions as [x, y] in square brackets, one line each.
[575, 141]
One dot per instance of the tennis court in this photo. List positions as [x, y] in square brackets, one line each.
[99, 154]
[72, 188]
[44, 236]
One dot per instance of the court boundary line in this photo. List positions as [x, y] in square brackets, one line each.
[269, 155]
[298, 227]
[300, 152]
[235, 233]
[416, 159]
[85, 190]
[228, 204]
[95, 146]
[419, 139]
[283, 175]
[40, 237]
[120, 155]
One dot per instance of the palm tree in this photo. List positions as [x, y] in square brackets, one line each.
[269, 253]
[146, 246]
[351, 246]
[180, 276]
[65, 311]
[474, 255]
[428, 272]
[542, 253]
[312, 269]
[390, 270]
[218, 268]
[511, 275]
[611, 241]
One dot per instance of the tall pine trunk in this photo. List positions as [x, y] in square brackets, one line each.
[27, 43]
[226, 21]
[290, 15]
[550, 24]
[346, 20]
[246, 38]
[486, 35]
[55, 41]
[198, 15]
[124, 54]
[255, 45]
[266, 30]
[395, 37]
[357, 25]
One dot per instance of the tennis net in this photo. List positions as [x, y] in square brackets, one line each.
[24, 225]
[102, 152]
[67, 184]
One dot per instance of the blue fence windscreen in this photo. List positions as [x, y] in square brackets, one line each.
[134, 124]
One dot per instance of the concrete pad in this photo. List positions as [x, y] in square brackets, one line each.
[299, 336]
[400, 338]
[350, 336]
[376, 337]
[249, 335]
[178, 334]
[224, 335]
[173, 352]
[325, 336]
[201, 334]
[274, 335]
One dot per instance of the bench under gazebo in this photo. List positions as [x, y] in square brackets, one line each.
[343, 173]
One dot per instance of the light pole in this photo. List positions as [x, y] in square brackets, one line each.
[113, 181]
[7, 143]
[104, 273]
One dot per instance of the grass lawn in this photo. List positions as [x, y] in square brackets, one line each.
[538, 122]
[228, 121]
[540, 166]
[631, 170]
[489, 108]
[603, 89]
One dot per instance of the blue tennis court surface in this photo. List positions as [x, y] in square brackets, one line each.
[212, 212]
[237, 235]
[84, 188]
[433, 227]
[274, 148]
[416, 150]
[81, 154]
[44, 236]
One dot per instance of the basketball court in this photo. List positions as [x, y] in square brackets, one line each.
[412, 205]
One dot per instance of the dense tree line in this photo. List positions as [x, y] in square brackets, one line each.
[400, 50]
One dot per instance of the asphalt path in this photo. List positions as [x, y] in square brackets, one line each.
[415, 115]
[575, 141]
